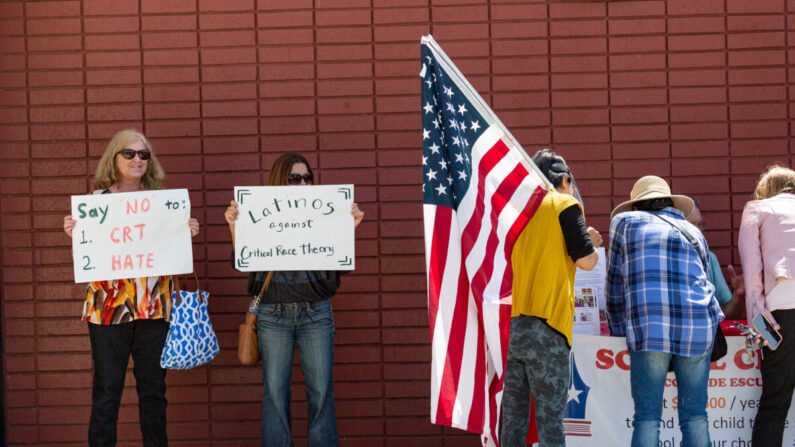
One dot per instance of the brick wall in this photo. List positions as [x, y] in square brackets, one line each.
[698, 92]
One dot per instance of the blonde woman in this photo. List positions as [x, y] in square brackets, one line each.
[767, 252]
[128, 316]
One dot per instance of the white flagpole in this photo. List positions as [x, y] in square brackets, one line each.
[477, 101]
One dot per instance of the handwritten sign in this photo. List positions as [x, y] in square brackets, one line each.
[294, 228]
[131, 235]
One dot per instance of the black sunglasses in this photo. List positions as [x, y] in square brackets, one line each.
[295, 179]
[129, 154]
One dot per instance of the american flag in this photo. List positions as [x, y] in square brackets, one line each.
[479, 191]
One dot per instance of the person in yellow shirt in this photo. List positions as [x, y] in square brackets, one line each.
[545, 256]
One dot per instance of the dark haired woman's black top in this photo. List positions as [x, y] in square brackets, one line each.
[294, 286]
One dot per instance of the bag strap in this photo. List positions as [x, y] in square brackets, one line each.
[177, 288]
[262, 291]
[689, 237]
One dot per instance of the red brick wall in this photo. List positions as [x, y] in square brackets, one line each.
[698, 92]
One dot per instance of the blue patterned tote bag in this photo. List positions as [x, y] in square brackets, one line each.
[191, 341]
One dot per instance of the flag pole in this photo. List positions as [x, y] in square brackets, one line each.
[476, 100]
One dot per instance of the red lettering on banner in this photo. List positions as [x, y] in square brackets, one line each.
[149, 260]
[621, 360]
[749, 382]
[717, 381]
[739, 360]
[131, 262]
[141, 228]
[604, 359]
[127, 234]
[132, 206]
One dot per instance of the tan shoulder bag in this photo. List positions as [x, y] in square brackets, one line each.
[247, 346]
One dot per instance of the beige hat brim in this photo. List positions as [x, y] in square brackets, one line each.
[682, 203]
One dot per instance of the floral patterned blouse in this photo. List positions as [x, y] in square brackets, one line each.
[124, 300]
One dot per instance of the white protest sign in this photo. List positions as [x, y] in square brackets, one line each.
[131, 235]
[600, 408]
[294, 228]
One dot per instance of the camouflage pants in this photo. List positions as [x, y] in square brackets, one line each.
[538, 363]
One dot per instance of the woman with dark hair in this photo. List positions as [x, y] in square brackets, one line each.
[767, 252]
[128, 316]
[295, 311]
[544, 259]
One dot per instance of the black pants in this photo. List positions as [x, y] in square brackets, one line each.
[778, 382]
[111, 346]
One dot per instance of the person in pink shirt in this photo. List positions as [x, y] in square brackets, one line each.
[767, 252]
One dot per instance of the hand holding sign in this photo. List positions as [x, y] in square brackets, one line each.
[358, 215]
[126, 235]
[293, 227]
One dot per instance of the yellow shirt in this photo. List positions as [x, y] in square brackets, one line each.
[543, 271]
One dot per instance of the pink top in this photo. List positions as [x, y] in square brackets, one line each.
[767, 250]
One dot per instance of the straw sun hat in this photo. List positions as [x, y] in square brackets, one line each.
[653, 187]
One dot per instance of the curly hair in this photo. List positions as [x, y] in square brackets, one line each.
[107, 173]
[775, 180]
[283, 165]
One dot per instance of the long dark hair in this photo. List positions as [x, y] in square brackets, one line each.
[283, 165]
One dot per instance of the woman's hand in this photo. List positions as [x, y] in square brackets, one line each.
[68, 225]
[596, 238]
[760, 341]
[193, 224]
[737, 281]
[758, 338]
[231, 216]
[357, 214]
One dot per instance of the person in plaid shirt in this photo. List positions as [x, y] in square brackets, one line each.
[658, 296]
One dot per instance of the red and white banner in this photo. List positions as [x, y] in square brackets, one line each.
[600, 404]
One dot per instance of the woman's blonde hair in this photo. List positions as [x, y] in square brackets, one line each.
[774, 181]
[107, 173]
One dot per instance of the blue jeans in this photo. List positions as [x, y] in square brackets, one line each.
[648, 370]
[280, 328]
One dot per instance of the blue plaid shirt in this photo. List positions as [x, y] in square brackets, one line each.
[658, 294]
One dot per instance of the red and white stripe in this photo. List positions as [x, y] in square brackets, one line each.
[576, 427]
[468, 257]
